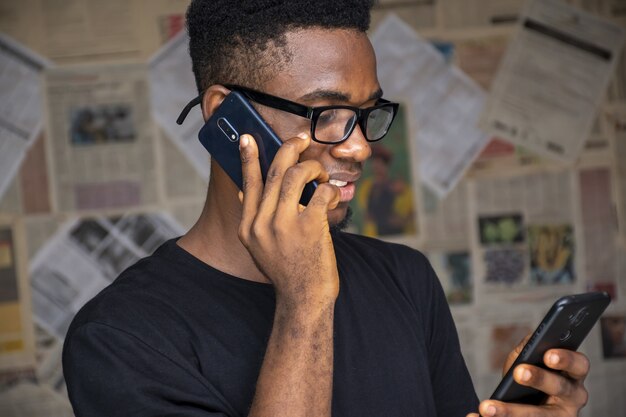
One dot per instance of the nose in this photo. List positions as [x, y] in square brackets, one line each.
[354, 149]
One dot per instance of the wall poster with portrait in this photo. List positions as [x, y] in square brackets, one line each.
[385, 204]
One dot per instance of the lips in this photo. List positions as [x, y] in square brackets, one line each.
[346, 186]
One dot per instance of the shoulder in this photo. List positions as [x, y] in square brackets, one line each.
[142, 294]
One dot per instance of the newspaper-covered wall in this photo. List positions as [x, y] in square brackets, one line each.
[95, 173]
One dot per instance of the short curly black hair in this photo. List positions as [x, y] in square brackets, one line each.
[243, 41]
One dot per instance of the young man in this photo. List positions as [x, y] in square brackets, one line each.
[263, 308]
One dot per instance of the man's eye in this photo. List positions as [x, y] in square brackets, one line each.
[327, 116]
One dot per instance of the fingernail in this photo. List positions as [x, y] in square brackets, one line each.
[303, 135]
[526, 375]
[243, 141]
[491, 410]
[554, 358]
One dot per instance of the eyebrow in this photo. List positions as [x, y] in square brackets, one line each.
[336, 95]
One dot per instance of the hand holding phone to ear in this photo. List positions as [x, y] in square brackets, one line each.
[293, 248]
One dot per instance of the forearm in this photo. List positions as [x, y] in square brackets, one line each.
[297, 372]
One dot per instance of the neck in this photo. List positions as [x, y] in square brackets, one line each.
[214, 240]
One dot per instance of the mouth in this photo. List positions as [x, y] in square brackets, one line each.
[347, 188]
[338, 183]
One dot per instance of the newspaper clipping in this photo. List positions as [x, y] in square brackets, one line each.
[552, 79]
[101, 147]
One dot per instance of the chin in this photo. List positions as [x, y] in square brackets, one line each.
[340, 217]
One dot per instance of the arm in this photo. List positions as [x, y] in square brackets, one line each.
[565, 387]
[292, 246]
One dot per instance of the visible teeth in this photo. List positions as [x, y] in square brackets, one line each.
[338, 183]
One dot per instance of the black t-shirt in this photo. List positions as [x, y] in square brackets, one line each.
[174, 336]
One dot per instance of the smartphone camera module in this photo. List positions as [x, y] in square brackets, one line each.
[227, 129]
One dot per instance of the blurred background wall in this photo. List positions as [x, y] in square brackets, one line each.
[513, 211]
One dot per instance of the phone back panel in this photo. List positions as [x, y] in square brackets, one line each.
[220, 136]
[565, 326]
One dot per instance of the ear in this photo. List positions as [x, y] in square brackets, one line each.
[212, 98]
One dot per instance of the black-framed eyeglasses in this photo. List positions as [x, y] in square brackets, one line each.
[329, 124]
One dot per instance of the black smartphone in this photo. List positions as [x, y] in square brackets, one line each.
[220, 136]
[564, 327]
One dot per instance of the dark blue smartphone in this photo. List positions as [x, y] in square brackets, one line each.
[565, 326]
[220, 136]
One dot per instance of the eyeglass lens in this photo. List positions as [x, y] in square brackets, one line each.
[378, 122]
[335, 125]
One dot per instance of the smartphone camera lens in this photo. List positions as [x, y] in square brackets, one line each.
[565, 335]
[227, 129]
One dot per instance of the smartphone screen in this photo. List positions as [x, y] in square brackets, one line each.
[565, 326]
[221, 133]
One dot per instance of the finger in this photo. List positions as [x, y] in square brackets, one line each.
[472, 415]
[492, 408]
[514, 354]
[551, 383]
[286, 157]
[326, 197]
[293, 184]
[575, 364]
[252, 183]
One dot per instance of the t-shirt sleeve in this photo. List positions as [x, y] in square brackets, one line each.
[110, 372]
[452, 385]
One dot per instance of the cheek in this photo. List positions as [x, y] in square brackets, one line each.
[316, 151]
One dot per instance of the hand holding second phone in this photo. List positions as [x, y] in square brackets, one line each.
[563, 382]
[290, 244]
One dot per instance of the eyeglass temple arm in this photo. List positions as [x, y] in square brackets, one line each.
[187, 109]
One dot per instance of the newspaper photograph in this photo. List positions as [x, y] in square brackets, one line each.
[173, 86]
[552, 79]
[17, 341]
[101, 143]
[501, 229]
[86, 255]
[21, 103]
[551, 249]
[524, 233]
[385, 204]
[613, 328]
[454, 270]
[445, 102]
